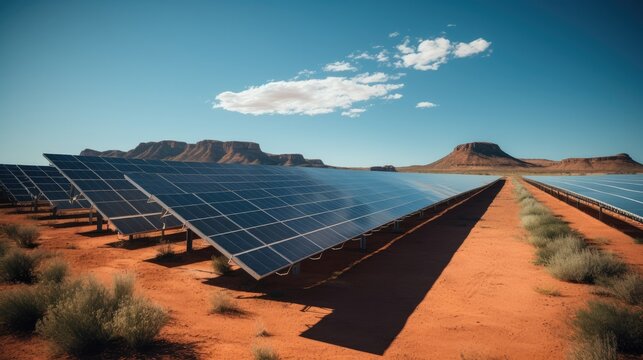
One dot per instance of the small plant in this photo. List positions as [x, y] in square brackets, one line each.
[165, 251]
[602, 319]
[222, 303]
[54, 271]
[19, 267]
[220, 265]
[261, 330]
[4, 248]
[26, 236]
[638, 241]
[548, 291]
[264, 352]
[123, 288]
[138, 322]
[595, 348]
[10, 230]
[562, 245]
[628, 288]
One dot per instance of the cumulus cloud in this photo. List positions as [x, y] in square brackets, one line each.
[338, 66]
[367, 78]
[467, 49]
[394, 34]
[307, 97]
[393, 96]
[382, 56]
[425, 105]
[353, 113]
[429, 55]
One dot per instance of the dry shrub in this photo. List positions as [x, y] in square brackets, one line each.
[21, 308]
[586, 266]
[18, 266]
[138, 322]
[548, 291]
[165, 251]
[264, 352]
[222, 303]
[563, 245]
[628, 288]
[595, 348]
[220, 265]
[600, 320]
[54, 271]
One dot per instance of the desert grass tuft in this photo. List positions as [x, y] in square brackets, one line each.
[138, 322]
[21, 308]
[24, 236]
[548, 291]
[562, 246]
[586, 266]
[264, 352]
[4, 247]
[18, 266]
[123, 288]
[261, 330]
[54, 271]
[165, 251]
[220, 265]
[627, 288]
[222, 303]
[595, 348]
[601, 319]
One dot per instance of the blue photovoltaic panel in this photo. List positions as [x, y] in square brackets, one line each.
[624, 192]
[266, 217]
[101, 182]
[49, 184]
[13, 186]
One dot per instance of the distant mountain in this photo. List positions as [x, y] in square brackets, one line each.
[226, 152]
[479, 157]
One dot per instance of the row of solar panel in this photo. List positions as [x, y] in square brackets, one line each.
[28, 183]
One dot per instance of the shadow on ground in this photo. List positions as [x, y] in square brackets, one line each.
[370, 304]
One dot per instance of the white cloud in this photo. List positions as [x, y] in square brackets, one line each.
[362, 56]
[307, 97]
[450, 25]
[397, 76]
[393, 96]
[472, 48]
[305, 73]
[429, 55]
[353, 113]
[394, 34]
[425, 105]
[382, 56]
[367, 78]
[340, 66]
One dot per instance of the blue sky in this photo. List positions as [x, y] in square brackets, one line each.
[543, 79]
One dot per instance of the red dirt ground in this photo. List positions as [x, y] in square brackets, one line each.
[460, 285]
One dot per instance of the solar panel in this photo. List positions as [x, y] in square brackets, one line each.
[622, 192]
[101, 182]
[49, 184]
[267, 218]
[13, 186]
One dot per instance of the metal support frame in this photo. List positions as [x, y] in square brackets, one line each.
[99, 222]
[362, 243]
[396, 226]
[188, 240]
[296, 269]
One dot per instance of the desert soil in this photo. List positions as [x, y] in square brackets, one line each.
[457, 284]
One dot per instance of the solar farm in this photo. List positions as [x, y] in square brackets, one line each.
[314, 253]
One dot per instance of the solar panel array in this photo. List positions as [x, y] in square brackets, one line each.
[49, 184]
[101, 182]
[624, 192]
[266, 218]
[13, 186]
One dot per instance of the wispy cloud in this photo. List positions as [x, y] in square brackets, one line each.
[305, 74]
[353, 113]
[393, 96]
[468, 49]
[394, 34]
[425, 105]
[432, 53]
[339, 66]
[451, 25]
[382, 56]
[367, 78]
[361, 56]
[307, 97]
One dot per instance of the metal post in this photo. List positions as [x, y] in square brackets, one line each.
[296, 269]
[362, 243]
[396, 226]
[130, 237]
[99, 222]
[91, 216]
[600, 213]
[188, 240]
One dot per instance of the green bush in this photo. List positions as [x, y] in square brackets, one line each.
[21, 308]
[54, 271]
[586, 266]
[220, 265]
[138, 322]
[596, 348]
[602, 319]
[19, 267]
[628, 288]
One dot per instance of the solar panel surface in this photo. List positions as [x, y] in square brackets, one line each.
[50, 184]
[101, 182]
[266, 218]
[624, 192]
[13, 185]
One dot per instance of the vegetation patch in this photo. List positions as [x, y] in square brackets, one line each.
[222, 303]
[602, 319]
[627, 288]
[54, 271]
[264, 352]
[220, 265]
[24, 236]
[595, 348]
[165, 251]
[18, 266]
[548, 291]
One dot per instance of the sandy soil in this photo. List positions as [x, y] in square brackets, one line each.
[458, 283]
